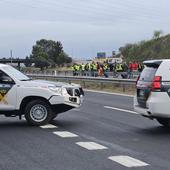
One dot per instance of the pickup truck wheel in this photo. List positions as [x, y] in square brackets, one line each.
[38, 112]
[164, 121]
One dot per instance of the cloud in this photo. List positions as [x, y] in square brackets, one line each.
[84, 27]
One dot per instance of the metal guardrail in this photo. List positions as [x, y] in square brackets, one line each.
[86, 73]
[83, 80]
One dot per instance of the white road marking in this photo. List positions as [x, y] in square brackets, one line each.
[128, 161]
[65, 134]
[91, 145]
[48, 126]
[103, 92]
[122, 110]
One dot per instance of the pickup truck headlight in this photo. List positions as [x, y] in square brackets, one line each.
[55, 89]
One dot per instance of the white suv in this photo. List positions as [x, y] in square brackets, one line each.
[40, 101]
[152, 99]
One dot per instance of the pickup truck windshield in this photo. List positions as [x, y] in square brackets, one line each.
[17, 74]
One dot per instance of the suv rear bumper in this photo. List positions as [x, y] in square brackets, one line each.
[158, 105]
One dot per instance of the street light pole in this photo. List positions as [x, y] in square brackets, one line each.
[11, 55]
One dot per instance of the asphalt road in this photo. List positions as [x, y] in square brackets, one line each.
[98, 136]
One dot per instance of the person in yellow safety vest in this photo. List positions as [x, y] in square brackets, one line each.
[92, 69]
[78, 69]
[82, 69]
[74, 67]
[106, 67]
[95, 67]
[119, 67]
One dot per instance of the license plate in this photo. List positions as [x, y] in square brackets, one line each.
[141, 93]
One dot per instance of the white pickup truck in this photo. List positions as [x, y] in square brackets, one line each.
[38, 100]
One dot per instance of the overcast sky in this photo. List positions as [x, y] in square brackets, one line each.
[84, 27]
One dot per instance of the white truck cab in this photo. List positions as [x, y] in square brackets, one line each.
[40, 101]
[152, 98]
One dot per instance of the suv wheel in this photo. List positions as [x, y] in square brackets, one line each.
[164, 121]
[38, 112]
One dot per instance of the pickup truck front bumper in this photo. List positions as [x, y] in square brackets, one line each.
[72, 97]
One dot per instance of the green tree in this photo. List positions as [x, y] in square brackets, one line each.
[49, 51]
[27, 62]
[145, 50]
[41, 62]
[63, 58]
[157, 34]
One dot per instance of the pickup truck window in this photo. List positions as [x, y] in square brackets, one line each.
[17, 74]
[5, 79]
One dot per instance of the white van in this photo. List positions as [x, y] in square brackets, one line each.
[152, 99]
[38, 100]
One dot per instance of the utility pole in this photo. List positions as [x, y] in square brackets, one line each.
[11, 55]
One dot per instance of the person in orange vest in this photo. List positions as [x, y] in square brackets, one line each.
[100, 70]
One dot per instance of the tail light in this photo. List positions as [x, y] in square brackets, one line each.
[156, 84]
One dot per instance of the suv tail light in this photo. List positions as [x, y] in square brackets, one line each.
[156, 84]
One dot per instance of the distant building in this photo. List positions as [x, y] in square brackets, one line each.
[101, 55]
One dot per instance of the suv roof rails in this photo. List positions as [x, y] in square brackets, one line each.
[152, 63]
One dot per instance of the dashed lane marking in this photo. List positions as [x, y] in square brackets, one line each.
[128, 161]
[49, 126]
[65, 134]
[118, 109]
[91, 145]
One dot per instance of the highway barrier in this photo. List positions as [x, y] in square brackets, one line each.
[123, 83]
[112, 74]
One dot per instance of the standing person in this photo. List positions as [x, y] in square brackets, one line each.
[78, 69]
[130, 75]
[140, 67]
[114, 69]
[92, 68]
[119, 67]
[130, 66]
[125, 70]
[95, 69]
[100, 70]
[82, 69]
[74, 69]
[125, 67]
[135, 66]
[111, 67]
[87, 69]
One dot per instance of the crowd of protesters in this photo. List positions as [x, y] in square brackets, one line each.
[106, 69]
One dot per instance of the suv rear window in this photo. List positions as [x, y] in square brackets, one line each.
[148, 73]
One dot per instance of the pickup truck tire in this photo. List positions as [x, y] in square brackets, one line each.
[164, 121]
[38, 112]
